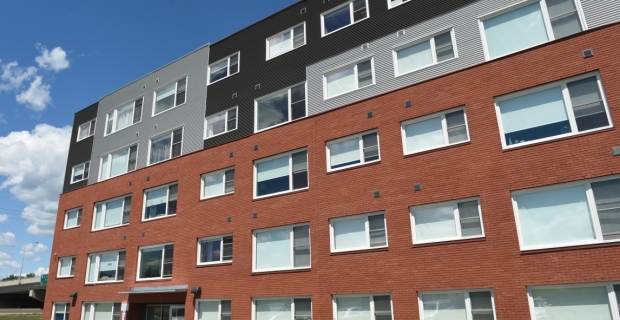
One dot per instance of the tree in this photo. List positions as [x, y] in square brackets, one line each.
[10, 277]
[14, 277]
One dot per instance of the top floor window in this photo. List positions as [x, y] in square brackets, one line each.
[170, 96]
[343, 16]
[86, 130]
[224, 68]
[530, 24]
[286, 41]
[424, 53]
[122, 117]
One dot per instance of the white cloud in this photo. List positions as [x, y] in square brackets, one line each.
[5, 256]
[37, 97]
[52, 60]
[2, 120]
[34, 179]
[13, 76]
[9, 265]
[41, 271]
[29, 250]
[7, 239]
[4, 218]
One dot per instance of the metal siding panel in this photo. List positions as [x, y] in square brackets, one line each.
[79, 151]
[190, 115]
[600, 12]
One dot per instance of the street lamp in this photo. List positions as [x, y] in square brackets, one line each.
[22, 267]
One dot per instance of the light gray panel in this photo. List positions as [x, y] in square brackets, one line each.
[190, 115]
[468, 45]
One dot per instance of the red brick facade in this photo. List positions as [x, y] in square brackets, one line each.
[480, 168]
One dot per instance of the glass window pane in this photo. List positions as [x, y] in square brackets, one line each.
[376, 226]
[414, 57]
[273, 249]
[107, 266]
[443, 47]
[103, 174]
[350, 233]
[457, 131]
[280, 44]
[353, 308]
[424, 135]
[84, 131]
[216, 125]
[515, 30]
[607, 197]
[228, 248]
[124, 117]
[359, 10]
[573, 303]
[151, 263]
[156, 203]
[214, 184]
[272, 110]
[92, 265]
[450, 306]
[160, 149]
[300, 170]
[534, 116]
[272, 176]
[470, 218]
[113, 213]
[341, 82]
[344, 153]
[371, 147]
[65, 267]
[564, 17]
[208, 310]
[211, 251]
[481, 305]
[434, 223]
[303, 309]
[103, 311]
[273, 309]
[555, 216]
[165, 98]
[78, 173]
[219, 71]
[337, 19]
[587, 104]
[72, 218]
[119, 163]
[301, 243]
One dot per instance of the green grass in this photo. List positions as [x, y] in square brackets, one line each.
[20, 317]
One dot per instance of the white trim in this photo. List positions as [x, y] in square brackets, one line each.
[198, 301]
[167, 186]
[213, 238]
[58, 276]
[567, 104]
[429, 37]
[80, 211]
[92, 305]
[371, 304]
[202, 183]
[359, 136]
[288, 154]
[290, 30]
[104, 212]
[367, 228]
[73, 172]
[292, 239]
[238, 53]
[163, 254]
[171, 133]
[115, 111]
[66, 312]
[290, 110]
[444, 127]
[465, 292]
[292, 301]
[226, 130]
[353, 65]
[390, 4]
[176, 89]
[97, 256]
[350, 4]
[109, 166]
[77, 139]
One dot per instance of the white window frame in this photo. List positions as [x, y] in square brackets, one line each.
[355, 73]
[238, 53]
[444, 128]
[289, 30]
[97, 255]
[369, 295]
[288, 154]
[104, 212]
[468, 307]
[198, 301]
[350, 4]
[115, 110]
[254, 300]
[66, 312]
[176, 88]
[92, 305]
[109, 156]
[202, 184]
[73, 172]
[290, 102]
[90, 123]
[58, 276]
[292, 248]
[226, 130]
[429, 37]
[567, 103]
[367, 227]
[457, 220]
[611, 295]
[80, 212]
[167, 186]
[390, 4]
[361, 150]
[171, 133]
[212, 238]
[596, 225]
[546, 19]
[163, 254]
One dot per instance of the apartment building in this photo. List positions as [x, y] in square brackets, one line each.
[363, 159]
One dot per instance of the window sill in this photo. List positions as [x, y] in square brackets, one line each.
[569, 248]
[69, 228]
[74, 182]
[122, 174]
[114, 227]
[219, 264]
[159, 218]
[368, 164]
[166, 160]
[226, 77]
[220, 134]
[447, 242]
[366, 250]
[413, 43]
[84, 138]
[286, 193]
[218, 196]
[323, 35]
[285, 52]
[127, 127]
[175, 107]
[154, 280]
[64, 277]
[281, 124]
[465, 143]
[578, 135]
[260, 273]
[103, 283]
[325, 98]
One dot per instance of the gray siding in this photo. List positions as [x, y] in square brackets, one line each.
[190, 115]
[468, 45]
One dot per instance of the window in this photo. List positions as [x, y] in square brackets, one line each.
[73, 218]
[155, 262]
[166, 147]
[118, 163]
[435, 131]
[281, 174]
[218, 183]
[446, 221]
[281, 107]
[425, 53]
[221, 123]
[61, 311]
[213, 309]
[348, 79]
[102, 311]
[214, 250]
[580, 301]
[112, 213]
[579, 213]
[161, 202]
[282, 308]
[224, 68]
[367, 307]
[353, 150]
[559, 109]
[122, 117]
[80, 172]
[66, 267]
[528, 25]
[282, 248]
[394, 3]
[343, 16]
[457, 305]
[358, 232]
[172, 95]
[286, 41]
[106, 267]
[86, 130]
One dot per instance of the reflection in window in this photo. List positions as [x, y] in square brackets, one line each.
[281, 107]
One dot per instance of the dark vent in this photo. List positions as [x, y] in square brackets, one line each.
[257, 87]
[408, 103]
[148, 178]
[376, 194]
[255, 215]
[157, 80]
[400, 33]
[234, 95]
[232, 154]
[615, 151]
[229, 219]
[588, 53]
[365, 46]
[302, 11]
[129, 182]
[417, 187]
[255, 147]
[144, 87]
[369, 114]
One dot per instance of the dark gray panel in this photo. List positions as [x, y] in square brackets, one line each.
[79, 151]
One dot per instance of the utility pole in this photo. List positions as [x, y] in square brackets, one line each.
[19, 276]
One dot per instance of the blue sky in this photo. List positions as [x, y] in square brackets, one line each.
[57, 57]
